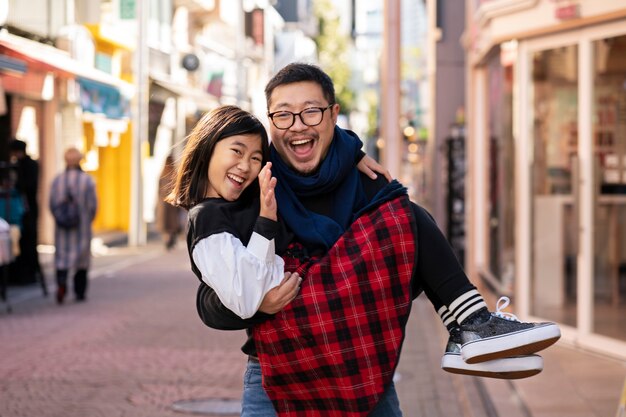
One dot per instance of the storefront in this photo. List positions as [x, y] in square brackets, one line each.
[174, 109]
[547, 149]
[48, 93]
[107, 126]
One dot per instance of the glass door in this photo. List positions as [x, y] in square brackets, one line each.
[608, 129]
[573, 138]
[554, 183]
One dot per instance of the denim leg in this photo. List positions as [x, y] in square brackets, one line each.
[255, 402]
[389, 405]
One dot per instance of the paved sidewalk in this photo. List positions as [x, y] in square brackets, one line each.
[136, 347]
[133, 349]
[107, 249]
[574, 383]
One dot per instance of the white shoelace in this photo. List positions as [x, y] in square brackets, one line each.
[503, 303]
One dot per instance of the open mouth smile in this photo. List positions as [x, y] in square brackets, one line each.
[236, 179]
[302, 147]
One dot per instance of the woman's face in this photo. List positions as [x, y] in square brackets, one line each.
[234, 165]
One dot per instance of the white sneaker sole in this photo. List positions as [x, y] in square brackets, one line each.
[523, 342]
[516, 367]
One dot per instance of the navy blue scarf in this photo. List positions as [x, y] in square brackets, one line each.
[337, 174]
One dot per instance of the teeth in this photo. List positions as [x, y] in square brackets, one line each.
[235, 178]
[300, 142]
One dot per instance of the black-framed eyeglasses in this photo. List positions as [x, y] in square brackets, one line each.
[311, 116]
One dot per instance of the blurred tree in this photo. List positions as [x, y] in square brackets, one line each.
[333, 52]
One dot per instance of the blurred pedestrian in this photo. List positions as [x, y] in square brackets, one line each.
[73, 242]
[28, 269]
[168, 217]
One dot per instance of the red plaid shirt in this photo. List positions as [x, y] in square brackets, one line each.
[334, 349]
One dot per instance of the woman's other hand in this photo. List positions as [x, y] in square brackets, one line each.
[278, 297]
[370, 167]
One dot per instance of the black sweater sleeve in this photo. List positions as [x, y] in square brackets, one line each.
[267, 228]
[215, 315]
[238, 218]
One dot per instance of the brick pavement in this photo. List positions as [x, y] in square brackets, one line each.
[136, 347]
[574, 383]
[425, 390]
[132, 349]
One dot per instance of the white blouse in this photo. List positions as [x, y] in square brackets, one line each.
[239, 275]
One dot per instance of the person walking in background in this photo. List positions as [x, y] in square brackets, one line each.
[27, 184]
[168, 217]
[72, 240]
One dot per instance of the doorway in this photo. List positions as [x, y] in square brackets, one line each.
[573, 130]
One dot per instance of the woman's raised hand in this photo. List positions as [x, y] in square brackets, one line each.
[267, 184]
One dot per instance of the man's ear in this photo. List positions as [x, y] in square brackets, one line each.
[335, 109]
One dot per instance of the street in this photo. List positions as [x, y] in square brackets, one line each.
[133, 349]
[137, 348]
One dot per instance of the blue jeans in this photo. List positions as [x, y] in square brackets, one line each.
[256, 403]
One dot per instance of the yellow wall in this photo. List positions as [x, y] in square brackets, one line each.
[113, 176]
[112, 182]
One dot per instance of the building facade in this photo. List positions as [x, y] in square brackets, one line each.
[125, 81]
[55, 94]
[546, 105]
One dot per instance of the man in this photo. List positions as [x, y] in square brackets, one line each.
[73, 242]
[27, 184]
[364, 252]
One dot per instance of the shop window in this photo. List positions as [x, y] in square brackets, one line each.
[555, 209]
[609, 150]
[155, 111]
[254, 25]
[104, 62]
[28, 130]
[501, 170]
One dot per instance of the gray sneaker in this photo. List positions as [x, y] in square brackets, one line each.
[503, 335]
[516, 367]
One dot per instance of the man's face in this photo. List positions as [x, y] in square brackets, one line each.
[302, 147]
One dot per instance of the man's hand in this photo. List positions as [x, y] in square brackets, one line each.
[278, 297]
[267, 184]
[370, 167]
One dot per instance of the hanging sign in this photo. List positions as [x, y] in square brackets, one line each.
[127, 9]
[566, 9]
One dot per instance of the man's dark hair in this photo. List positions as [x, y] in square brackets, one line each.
[17, 145]
[298, 72]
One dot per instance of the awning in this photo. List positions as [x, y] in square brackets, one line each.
[100, 98]
[45, 58]
[204, 101]
[12, 65]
